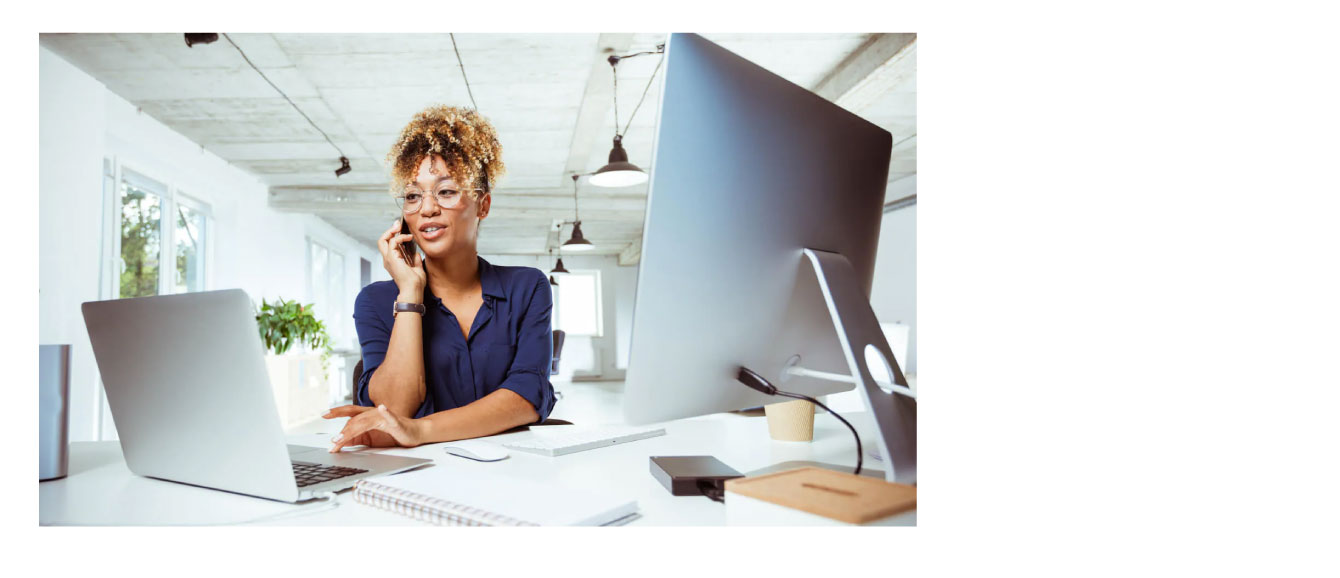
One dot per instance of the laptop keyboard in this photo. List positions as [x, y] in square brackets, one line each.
[312, 474]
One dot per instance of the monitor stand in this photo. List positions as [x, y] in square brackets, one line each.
[895, 412]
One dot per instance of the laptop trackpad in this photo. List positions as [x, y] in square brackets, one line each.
[294, 451]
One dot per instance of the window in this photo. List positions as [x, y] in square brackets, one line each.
[325, 285]
[162, 237]
[577, 304]
[190, 241]
[141, 235]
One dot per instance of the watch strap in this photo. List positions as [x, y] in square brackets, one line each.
[414, 307]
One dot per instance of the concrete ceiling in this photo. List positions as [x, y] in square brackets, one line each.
[549, 96]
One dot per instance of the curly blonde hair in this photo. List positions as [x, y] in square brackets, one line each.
[461, 136]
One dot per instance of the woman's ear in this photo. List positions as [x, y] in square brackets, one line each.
[485, 202]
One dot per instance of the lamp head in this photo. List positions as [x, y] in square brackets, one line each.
[619, 172]
[578, 242]
[558, 268]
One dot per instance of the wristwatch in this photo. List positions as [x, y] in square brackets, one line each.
[415, 307]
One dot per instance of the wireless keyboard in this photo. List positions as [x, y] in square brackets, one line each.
[572, 439]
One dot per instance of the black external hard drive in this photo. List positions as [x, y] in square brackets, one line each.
[686, 475]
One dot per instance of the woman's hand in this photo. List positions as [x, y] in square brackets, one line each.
[409, 279]
[366, 424]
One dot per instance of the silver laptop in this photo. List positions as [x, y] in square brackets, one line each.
[187, 386]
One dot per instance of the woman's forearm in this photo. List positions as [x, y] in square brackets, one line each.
[398, 383]
[498, 411]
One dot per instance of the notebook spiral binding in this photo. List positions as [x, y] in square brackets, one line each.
[427, 508]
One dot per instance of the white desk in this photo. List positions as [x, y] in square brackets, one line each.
[100, 490]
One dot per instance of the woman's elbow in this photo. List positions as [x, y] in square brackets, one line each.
[527, 413]
[522, 412]
[384, 387]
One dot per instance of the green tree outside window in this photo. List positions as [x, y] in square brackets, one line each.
[140, 233]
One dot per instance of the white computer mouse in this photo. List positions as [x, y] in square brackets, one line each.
[479, 451]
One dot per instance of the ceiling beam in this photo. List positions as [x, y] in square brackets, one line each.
[380, 192]
[632, 254]
[867, 73]
[596, 103]
[387, 210]
[326, 199]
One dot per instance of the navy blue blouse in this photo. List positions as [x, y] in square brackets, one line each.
[510, 344]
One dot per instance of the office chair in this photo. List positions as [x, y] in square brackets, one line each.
[358, 372]
[559, 335]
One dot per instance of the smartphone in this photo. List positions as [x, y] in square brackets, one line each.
[408, 251]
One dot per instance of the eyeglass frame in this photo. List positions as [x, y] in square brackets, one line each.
[400, 199]
[401, 202]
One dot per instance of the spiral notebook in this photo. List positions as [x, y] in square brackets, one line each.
[454, 498]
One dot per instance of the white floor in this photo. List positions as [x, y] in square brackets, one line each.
[589, 402]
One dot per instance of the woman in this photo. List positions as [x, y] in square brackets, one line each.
[453, 346]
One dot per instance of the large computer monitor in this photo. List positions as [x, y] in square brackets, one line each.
[758, 250]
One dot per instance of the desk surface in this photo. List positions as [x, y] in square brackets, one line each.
[100, 490]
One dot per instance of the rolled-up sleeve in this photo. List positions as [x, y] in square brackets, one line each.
[528, 375]
[374, 337]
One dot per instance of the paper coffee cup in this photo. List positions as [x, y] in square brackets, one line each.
[791, 421]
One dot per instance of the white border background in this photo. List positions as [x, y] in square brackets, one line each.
[1129, 307]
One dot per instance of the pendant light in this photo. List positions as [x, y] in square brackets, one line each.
[558, 268]
[619, 172]
[577, 242]
[551, 273]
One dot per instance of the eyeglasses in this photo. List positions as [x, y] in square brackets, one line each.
[412, 201]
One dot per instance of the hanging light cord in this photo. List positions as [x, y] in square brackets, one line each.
[462, 65]
[576, 215]
[644, 95]
[281, 93]
[614, 66]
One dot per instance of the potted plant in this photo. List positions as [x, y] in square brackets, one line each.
[300, 389]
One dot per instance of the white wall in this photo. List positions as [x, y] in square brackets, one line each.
[71, 146]
[254, 248]
[893, 295]
[581, 354]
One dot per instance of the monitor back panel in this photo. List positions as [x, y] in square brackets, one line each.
[748, 170]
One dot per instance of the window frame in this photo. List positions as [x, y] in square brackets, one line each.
[206, 254]
[169, 197]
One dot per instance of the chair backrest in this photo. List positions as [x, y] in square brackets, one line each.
[559, 334]
[358, 373]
